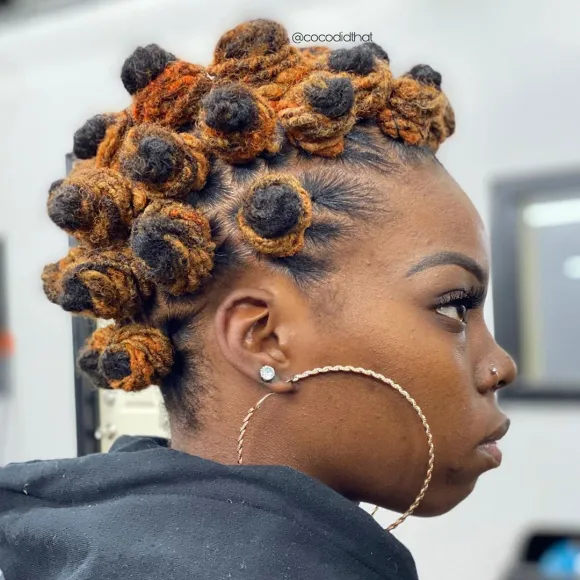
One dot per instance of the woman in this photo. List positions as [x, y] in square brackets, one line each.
[273, 234]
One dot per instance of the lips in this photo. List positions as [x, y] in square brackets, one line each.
[498, 434]
[489, 445]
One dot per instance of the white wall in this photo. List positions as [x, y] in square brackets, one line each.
[511, 69]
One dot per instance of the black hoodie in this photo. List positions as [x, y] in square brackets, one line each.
[144, 511]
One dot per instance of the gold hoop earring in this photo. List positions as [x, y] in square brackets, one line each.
[386, 381]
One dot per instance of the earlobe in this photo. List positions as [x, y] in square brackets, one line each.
[245, 327]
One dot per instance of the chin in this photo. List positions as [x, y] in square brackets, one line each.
[440, 502]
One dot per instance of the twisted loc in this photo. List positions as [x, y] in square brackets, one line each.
[52, 274]
[173, 98]
[442, 126]
[105, 285]
[136, 356]
[275, 215]
[258, 53]
[168, 164]
[318, 113]
[416, 99]
[96, 206]
[108, 148]
[237, 124]
[90, 354]
[174, 246]
[371, 77]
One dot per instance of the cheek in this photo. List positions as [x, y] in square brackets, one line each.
[400, 341]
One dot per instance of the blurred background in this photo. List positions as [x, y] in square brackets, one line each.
[512, 71]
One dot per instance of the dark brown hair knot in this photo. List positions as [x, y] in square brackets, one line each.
[96, 206]
[136, 356]
[237, 125]
[87, 139]
[143, 66]
[415, 101]
[174, 245]
[90, 354]
[426, 75]
[52, 274]
[168, 164]
[258, 53]
[318, 113]
[105, 285]
[357, 60]
[370, 75]
[275, 215]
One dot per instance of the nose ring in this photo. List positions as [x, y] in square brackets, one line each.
[494, 372]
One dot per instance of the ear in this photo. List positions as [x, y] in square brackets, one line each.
[247, 326]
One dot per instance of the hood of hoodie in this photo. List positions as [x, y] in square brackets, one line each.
[144, 510]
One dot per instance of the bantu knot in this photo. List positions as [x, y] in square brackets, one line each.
[174, 245]
[357, 60]
[377, 51]
[426, 75]
[105, 285]
[414, 103]
[275, 215]
[258, 54]
[156, 160]
[87, 139]
[136, 357]
[143, 66]
[170, 165]
[370, 76]
[230, 109]
[319, 112]
[52, 274]
[237, 124]
[333, 98]
[96, 206]
[253, 38]
[90, 354]
[274, 210]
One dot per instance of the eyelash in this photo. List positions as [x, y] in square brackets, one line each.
[470, 298]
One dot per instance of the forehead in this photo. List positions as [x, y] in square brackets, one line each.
[426, 212]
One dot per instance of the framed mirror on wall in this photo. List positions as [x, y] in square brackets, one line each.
[536, 282]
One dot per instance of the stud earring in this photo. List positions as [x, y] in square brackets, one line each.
[267, 373]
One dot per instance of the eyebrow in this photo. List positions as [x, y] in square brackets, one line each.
[453, 259]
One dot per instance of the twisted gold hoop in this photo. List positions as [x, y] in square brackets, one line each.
[383, 379]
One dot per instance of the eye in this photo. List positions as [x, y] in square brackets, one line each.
[457, 304]
[456, 311]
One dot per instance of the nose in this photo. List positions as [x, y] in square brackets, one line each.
[507, 370]
[499, 370]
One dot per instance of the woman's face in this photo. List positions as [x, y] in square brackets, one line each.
[408, 303]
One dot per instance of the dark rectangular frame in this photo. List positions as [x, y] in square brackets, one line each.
[508, 195]
[86, 396]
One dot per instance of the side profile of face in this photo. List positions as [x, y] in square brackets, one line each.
[406, 300]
